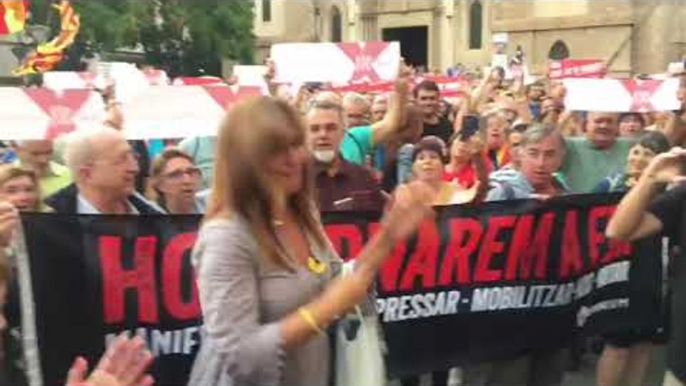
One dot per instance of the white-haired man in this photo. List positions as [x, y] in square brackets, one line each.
[104, 167]
[357, 109]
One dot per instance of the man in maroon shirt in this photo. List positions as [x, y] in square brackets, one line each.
[341, 185]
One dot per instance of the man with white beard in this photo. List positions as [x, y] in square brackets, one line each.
[341, 185]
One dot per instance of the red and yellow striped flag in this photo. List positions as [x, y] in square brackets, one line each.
[13, 16]
[48, 55]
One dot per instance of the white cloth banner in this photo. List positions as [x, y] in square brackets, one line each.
[251, 76]
[156, 112]
[340, 63]
[39, 113]
[181, 111]
[614, 95]
[129, 81]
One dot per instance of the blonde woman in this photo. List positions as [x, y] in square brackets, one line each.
[20, 187]
[267, 275]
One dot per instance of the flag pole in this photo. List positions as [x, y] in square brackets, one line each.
[34, 371]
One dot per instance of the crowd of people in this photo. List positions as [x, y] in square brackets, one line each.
[269, 281]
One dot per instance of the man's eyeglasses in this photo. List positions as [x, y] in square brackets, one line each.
[177, 175]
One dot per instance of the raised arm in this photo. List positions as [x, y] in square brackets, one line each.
[391, 125]
[675, 129]
[228, 283]
[632, 220]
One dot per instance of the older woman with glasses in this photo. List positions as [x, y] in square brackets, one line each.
[174, 182]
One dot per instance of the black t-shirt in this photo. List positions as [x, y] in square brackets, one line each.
[443, 130]
[670, 208]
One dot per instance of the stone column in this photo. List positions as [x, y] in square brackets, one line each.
[352, 21]
[447, 37]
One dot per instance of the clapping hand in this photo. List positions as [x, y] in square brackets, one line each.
[123, 364]
[668, 167]
[411, 205]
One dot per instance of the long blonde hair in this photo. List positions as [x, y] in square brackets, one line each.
[254, 130]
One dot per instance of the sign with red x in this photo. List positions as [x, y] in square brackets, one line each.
[60, 107]
[616, 95]
[642, 92]
[226, 96]
[364, 55]
[337, 63]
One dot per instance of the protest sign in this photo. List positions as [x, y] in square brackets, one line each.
[198, 81]
[489, 282]
[37, 113]
[476, 283]
[63, 80]
[614, 95]
[340, 63]
[180, 112]
[155, 112]
[94, 277]
[449, 86]
[577, 68]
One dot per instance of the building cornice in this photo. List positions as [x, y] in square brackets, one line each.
[562, 23]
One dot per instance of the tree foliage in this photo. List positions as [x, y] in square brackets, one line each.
[181, 37]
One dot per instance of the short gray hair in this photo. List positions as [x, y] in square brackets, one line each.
[537, 132]
[327, 96]
[81, 146]
[328, 106]
[355, 99]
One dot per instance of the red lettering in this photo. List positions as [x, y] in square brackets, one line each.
[390, 270]
[464, 241]
[571, 262]
[116, 280]
[172, 278]
[595, 237]
[346, 240]
[524, 249]
[616, 251]
[423, 261]
[491, 247]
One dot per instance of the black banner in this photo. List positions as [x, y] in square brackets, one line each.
[478, 283]
[497, 280]
[94, 277]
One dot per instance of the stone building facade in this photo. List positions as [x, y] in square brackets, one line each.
[631, 36]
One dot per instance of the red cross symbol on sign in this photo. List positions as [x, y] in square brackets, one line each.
[61, 108]
[225, 97]
[642, 92]
[364, 55]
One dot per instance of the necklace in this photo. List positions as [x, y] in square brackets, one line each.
[313, 264]
[316, 266]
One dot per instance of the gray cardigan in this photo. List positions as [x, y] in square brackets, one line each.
[243, 297]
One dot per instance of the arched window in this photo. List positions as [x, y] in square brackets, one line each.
[336, 25]
[476, 26]
[266, 10]
[559, 51]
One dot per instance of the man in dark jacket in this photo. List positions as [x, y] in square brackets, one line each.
[105, 169]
